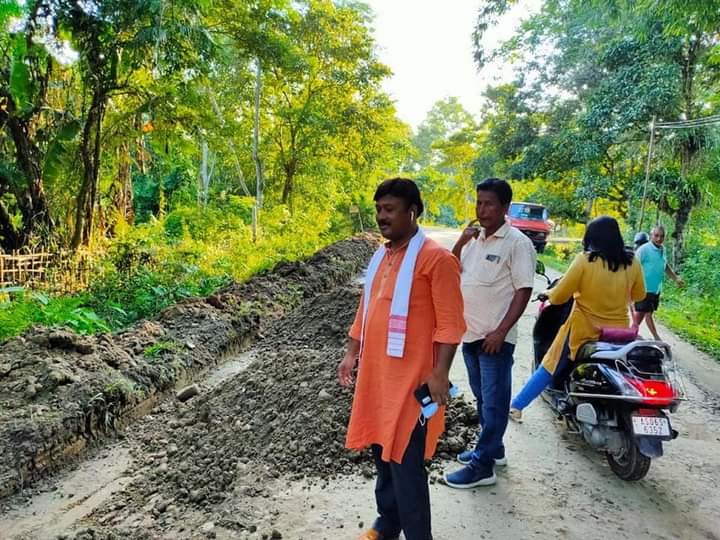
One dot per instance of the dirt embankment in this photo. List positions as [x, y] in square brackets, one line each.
[217, 458]
[60, 391]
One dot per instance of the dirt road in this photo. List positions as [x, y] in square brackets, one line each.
[554, 484]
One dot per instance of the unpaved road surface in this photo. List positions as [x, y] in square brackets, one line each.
[258, 455]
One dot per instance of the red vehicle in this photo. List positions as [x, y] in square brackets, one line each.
[531, 219]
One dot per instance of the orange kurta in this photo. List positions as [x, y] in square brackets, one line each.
[384, 409]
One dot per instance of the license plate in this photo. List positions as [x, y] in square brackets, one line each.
[654, 426]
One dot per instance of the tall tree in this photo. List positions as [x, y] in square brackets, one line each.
[617, 64]
[117, 39]
[29, 122]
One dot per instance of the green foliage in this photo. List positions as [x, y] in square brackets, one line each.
[560, 255]
[59, 151]
[193, 252]
[156, 349]
[20, 81]
[590, 77]
[37, 308]
[444, 150]
[121, 388]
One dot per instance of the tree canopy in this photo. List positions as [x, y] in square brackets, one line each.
[112, 111]
[590, 78]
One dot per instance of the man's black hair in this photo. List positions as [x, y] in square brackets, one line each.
[499, 187]
[402, 188]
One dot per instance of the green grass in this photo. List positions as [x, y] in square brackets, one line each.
[693, 317]
[553, 261]
[153, 351]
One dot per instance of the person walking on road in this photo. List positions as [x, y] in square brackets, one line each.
[603, 280]
[655, 267]
[498, 273]
[406, 330]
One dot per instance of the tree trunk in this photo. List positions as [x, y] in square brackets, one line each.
[90, 153]
[140, 145]
[290, 169]
[30, 198]
[126, 206]
[689, 147]
[9, 237]
[682, 216]
[93, 201]
[256, 139]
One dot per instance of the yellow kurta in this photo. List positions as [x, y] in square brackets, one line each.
[601, 298]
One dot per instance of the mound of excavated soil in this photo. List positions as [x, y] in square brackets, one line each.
[285, 416]
[59, 391]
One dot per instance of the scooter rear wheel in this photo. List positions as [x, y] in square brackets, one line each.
[629, 464]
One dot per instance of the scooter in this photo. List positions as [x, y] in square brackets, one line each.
[616, 395]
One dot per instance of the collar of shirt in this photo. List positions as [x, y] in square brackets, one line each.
[661, 249]
[500, 233]
[392, 251]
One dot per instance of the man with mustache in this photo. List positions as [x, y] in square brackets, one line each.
[407, 327]
[498, 273]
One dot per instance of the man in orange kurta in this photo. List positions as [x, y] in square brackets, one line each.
[386, 415]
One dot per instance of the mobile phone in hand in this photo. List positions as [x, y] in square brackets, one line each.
[429, 407]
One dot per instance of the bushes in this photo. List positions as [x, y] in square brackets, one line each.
[191, 252]
[559, 256]
[693, 317]
[37, 308]
[700, 269]
[694, 311]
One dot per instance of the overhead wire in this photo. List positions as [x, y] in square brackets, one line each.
[695, 122]
[678, 124]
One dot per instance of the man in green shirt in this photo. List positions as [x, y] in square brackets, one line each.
[655, 266]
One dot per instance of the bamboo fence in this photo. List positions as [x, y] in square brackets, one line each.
[62, 272]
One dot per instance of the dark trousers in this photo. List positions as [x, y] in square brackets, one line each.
[401, 491]
[490, 378]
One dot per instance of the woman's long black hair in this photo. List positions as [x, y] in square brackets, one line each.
[603, 240]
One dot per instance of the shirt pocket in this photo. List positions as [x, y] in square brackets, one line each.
[487, 271]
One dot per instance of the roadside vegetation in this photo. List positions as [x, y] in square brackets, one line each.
[189, 145]
[181, 147]
[572, 132]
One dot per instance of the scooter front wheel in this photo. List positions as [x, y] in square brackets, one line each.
[629, 463]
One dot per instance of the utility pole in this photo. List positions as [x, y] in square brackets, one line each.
[651, 146]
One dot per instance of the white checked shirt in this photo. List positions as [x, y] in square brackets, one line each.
[493, 269]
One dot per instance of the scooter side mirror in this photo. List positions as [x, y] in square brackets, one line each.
[540, 270]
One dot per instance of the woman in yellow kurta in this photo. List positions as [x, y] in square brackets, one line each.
[603, 281]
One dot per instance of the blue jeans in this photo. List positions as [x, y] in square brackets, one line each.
[491, 382]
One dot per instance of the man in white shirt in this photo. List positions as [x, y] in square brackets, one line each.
[498, 273]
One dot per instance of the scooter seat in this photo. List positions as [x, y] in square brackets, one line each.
[588, 349]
